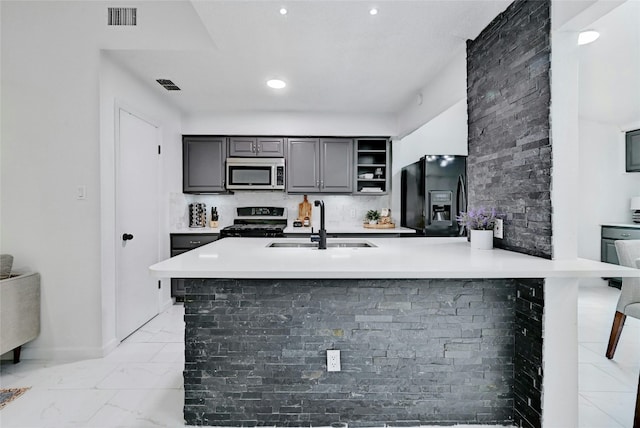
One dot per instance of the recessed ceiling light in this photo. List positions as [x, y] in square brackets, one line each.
[587, 36]
[283, 11]
[276, 83]
[373, 11]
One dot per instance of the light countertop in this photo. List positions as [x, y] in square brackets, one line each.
[391, 258]
[348, 229]
[305, 230]
[631, 225]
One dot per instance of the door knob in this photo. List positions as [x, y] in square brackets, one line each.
[127, 237]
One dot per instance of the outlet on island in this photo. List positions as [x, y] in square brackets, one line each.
[498, 230]
[333, 360]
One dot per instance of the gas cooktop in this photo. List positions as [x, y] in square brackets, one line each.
[257, 222]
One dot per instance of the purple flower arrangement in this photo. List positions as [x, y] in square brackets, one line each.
[480, 219]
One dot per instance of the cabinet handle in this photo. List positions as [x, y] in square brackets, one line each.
[625, 235]
[258, 148]
[317, 183]
[322, 184]
[194, 242]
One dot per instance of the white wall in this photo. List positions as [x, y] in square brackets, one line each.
[118, 89]
[49, 146]
[605, 187]
[290, 123]
[446, 89]
[51, 143]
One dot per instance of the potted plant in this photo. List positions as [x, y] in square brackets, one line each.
[480, 224]
[372, 216]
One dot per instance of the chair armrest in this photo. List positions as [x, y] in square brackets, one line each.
[19, 310]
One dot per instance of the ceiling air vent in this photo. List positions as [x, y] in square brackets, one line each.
[168, 84]
[122, 16]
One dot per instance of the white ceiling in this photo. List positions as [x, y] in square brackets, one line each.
[334, 56]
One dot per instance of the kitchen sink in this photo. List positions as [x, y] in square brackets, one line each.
[349, 244]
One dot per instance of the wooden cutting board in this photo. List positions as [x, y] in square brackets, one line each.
[304, 209]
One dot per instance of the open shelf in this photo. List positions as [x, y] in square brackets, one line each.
[372, 155]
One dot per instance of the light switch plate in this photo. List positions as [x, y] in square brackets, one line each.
[498, 230]
[333, 360]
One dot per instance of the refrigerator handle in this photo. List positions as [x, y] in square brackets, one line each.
[462, 199]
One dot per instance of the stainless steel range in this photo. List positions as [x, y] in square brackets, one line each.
[257, 222]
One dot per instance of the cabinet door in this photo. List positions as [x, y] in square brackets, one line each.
[303, 165]
[608, 252]
[336, 162]
[270, 147]
[203, 164]
[242, 146]
[633, 151]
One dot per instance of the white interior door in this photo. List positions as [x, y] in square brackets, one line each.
[137, 243]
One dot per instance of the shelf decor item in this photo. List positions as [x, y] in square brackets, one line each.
[634, 205]
[480, 224]
[372, 216]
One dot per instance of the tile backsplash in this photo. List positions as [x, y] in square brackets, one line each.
[340, 210]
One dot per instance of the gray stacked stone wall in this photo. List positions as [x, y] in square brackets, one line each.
[413, 352]
[528, 353]
[508, 98]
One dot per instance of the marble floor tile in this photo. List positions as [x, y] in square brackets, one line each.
[141, 408]
[144, 376]
[49, 408]
[616, 405]
[590, 416]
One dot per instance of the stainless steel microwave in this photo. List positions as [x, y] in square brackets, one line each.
[255, 173]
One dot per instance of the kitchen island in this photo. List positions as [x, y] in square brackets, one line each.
[430, 332]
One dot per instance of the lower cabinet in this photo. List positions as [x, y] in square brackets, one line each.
[608, 254]
[181, 243]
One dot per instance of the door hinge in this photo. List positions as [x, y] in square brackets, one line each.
[159, 284]
[159, 149]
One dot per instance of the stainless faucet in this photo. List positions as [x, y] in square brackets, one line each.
[321, 237]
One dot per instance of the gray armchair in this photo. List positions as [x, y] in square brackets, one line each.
[629, 301]
[19, 312]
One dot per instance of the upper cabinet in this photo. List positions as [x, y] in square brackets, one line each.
[270, 147]
[320, 165]
[633, 151]
[373, 166]
[203, 159]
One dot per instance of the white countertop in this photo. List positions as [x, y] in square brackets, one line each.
[305, 230]
[631, 225]
[348, 229]
[391, 258]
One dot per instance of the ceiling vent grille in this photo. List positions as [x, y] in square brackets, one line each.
[122, 16]
[168, 84]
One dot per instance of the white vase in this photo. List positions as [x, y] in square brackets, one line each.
[482, 239]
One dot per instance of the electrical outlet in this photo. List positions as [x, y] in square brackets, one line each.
[498, 230]
[333, 360]
[353, 213]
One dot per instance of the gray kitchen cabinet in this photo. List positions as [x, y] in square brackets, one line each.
[272, 147]
[181, 243]
[608, 254]
[320, 165]
[203, 160]
[633, 151]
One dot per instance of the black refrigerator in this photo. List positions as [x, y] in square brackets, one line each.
[434, 193]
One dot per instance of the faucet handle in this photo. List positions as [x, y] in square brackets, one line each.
[315, 238]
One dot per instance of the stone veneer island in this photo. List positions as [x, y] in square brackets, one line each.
[430, 332]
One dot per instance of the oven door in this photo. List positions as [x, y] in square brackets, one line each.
[255, 174]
